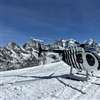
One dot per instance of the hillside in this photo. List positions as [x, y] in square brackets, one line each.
[47, 82]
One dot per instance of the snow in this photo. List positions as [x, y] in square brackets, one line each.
[46, 82]
[98, 54]
[38, 40]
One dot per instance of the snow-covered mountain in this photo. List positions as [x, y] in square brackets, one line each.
[62, 43]
[14, 56]
[49, 80]
[91, 44]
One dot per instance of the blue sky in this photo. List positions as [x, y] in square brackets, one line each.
[49, 20]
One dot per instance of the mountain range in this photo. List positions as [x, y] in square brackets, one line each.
[14, 56]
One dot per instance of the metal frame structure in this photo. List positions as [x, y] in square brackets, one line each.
[78, 58]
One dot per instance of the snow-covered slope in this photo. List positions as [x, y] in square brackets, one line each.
[14, 56]
[46, 82]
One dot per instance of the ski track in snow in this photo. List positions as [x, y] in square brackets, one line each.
[84, 89]
[46, 82]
